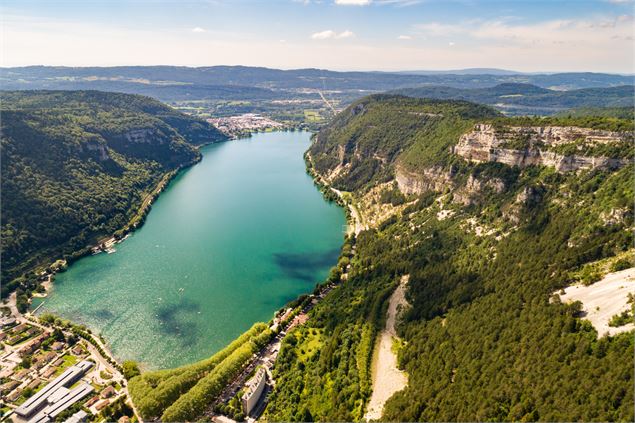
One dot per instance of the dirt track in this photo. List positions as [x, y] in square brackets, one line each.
[387, 378]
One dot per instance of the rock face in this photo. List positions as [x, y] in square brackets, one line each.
[97, 147]
[432, 179]
[525, 146]
[142, 136]
[474, 187]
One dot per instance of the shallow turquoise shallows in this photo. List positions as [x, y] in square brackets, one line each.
[230, 241]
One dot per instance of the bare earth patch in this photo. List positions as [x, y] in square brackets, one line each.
[604, 299]
[387, 378]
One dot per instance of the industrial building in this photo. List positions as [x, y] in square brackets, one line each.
[56, 397]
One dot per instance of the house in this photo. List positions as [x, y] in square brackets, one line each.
[9, 386]
[49, 357]
[25, 350]
[34, 383]
[20, 328]
[14, 395]
[32, 331]
[108, 392]
[21, 374]
[49, 372]
[14, 340]
[102, 404]
[91, 401]
[78, 350]
[7, 321]
[57, 346]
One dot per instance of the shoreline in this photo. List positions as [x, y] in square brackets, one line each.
[134, 223]
[354, 219]
[138, 219]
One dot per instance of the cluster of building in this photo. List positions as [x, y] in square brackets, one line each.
[239, 125]
[43, 374]
[56, 396]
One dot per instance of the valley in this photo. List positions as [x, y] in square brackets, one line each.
[469, 233]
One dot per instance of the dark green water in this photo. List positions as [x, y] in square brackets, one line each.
[229, 242]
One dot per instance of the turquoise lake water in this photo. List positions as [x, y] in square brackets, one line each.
[230, 241]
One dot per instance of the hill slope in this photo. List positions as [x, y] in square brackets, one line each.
[485, 245]
[172, 82]
[77, 165]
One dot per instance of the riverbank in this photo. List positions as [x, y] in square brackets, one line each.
[386, 375]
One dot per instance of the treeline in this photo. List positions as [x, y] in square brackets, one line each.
[192, 404]
[154, 393]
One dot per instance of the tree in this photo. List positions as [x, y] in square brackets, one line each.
[130, 369]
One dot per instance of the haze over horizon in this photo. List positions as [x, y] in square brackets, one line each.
[343, 35]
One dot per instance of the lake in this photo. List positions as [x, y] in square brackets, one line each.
[231, 240]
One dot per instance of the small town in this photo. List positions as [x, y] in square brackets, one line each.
[50, 371]
[235, 126]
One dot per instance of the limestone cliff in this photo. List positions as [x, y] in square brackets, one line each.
[525, 146]
[431, 179]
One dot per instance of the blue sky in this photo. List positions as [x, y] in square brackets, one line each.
[580, 35]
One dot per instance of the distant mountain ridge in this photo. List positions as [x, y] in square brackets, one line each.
[152, 80]
[521, 98]
[469, 71]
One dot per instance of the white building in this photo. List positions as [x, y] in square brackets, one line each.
[254, 388]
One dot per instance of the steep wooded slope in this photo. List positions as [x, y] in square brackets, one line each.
[486, 245]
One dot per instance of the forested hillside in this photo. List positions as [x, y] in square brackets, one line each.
[486, 246]
[76, 166]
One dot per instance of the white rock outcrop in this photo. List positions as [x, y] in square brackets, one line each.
[485, 143]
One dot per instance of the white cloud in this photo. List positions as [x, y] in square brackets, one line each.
[620, 1]
[451, 43]
[569, 32]
[404, 37]
[353, 2]
[198, 29]
[330, 34]
[345, 34]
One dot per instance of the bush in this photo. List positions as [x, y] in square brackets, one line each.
[621, 264]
